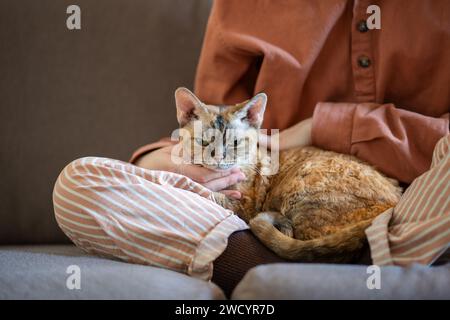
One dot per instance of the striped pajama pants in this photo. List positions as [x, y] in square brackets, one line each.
[118, 210]
[417, 230]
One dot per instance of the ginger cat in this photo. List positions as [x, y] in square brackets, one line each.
[318, 204]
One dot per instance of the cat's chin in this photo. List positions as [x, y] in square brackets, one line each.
[221, 169]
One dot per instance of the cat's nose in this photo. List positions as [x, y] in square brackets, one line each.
[219, 155]
[216, 156]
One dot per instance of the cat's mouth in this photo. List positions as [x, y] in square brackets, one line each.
[220, 166]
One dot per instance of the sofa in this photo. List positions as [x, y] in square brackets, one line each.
[104, 90]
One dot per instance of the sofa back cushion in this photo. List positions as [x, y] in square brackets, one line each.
[103, 90]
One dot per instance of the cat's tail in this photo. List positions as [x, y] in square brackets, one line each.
[341, 246]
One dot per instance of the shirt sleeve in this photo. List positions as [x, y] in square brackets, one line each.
[224, 73]
[164, 142]
[400, 143]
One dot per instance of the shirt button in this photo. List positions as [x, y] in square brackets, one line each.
[362, 26]
[364, 62]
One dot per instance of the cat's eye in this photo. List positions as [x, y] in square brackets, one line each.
[202, 142]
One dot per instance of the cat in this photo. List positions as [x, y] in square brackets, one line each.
[315, 208]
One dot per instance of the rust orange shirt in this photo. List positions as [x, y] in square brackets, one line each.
[382, 95]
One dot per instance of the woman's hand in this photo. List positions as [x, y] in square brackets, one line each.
[160, 159]
[298, 135]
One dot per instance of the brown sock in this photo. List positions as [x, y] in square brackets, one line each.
[244, 251]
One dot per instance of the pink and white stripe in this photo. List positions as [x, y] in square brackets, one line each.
[118, 210]
[417, 230]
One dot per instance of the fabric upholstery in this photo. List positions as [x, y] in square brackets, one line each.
[40, 272]
[103, 90]
[327, 281]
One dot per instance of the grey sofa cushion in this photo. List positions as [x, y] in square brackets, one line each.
[39, 272]
[327, 281]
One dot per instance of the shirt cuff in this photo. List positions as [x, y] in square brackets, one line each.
[332, 126]
[213, 245]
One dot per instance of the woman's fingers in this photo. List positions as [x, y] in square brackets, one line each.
[214, 180]
[163, 159]
[208, 175]
[204, 175]
[224, 182]
[232, 193]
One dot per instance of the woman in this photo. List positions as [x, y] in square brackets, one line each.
[382, 95]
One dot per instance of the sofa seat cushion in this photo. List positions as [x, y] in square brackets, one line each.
[40, 272]
[328, 281]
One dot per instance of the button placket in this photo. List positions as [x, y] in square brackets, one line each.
[361, 53]
[364, 61]
[362, 26]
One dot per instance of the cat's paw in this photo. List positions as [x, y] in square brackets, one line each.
[285, 229]
[284, 225]
[279, 221]
[225, 202]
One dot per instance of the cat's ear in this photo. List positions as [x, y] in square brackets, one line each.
[253, 110]
[186, 103]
